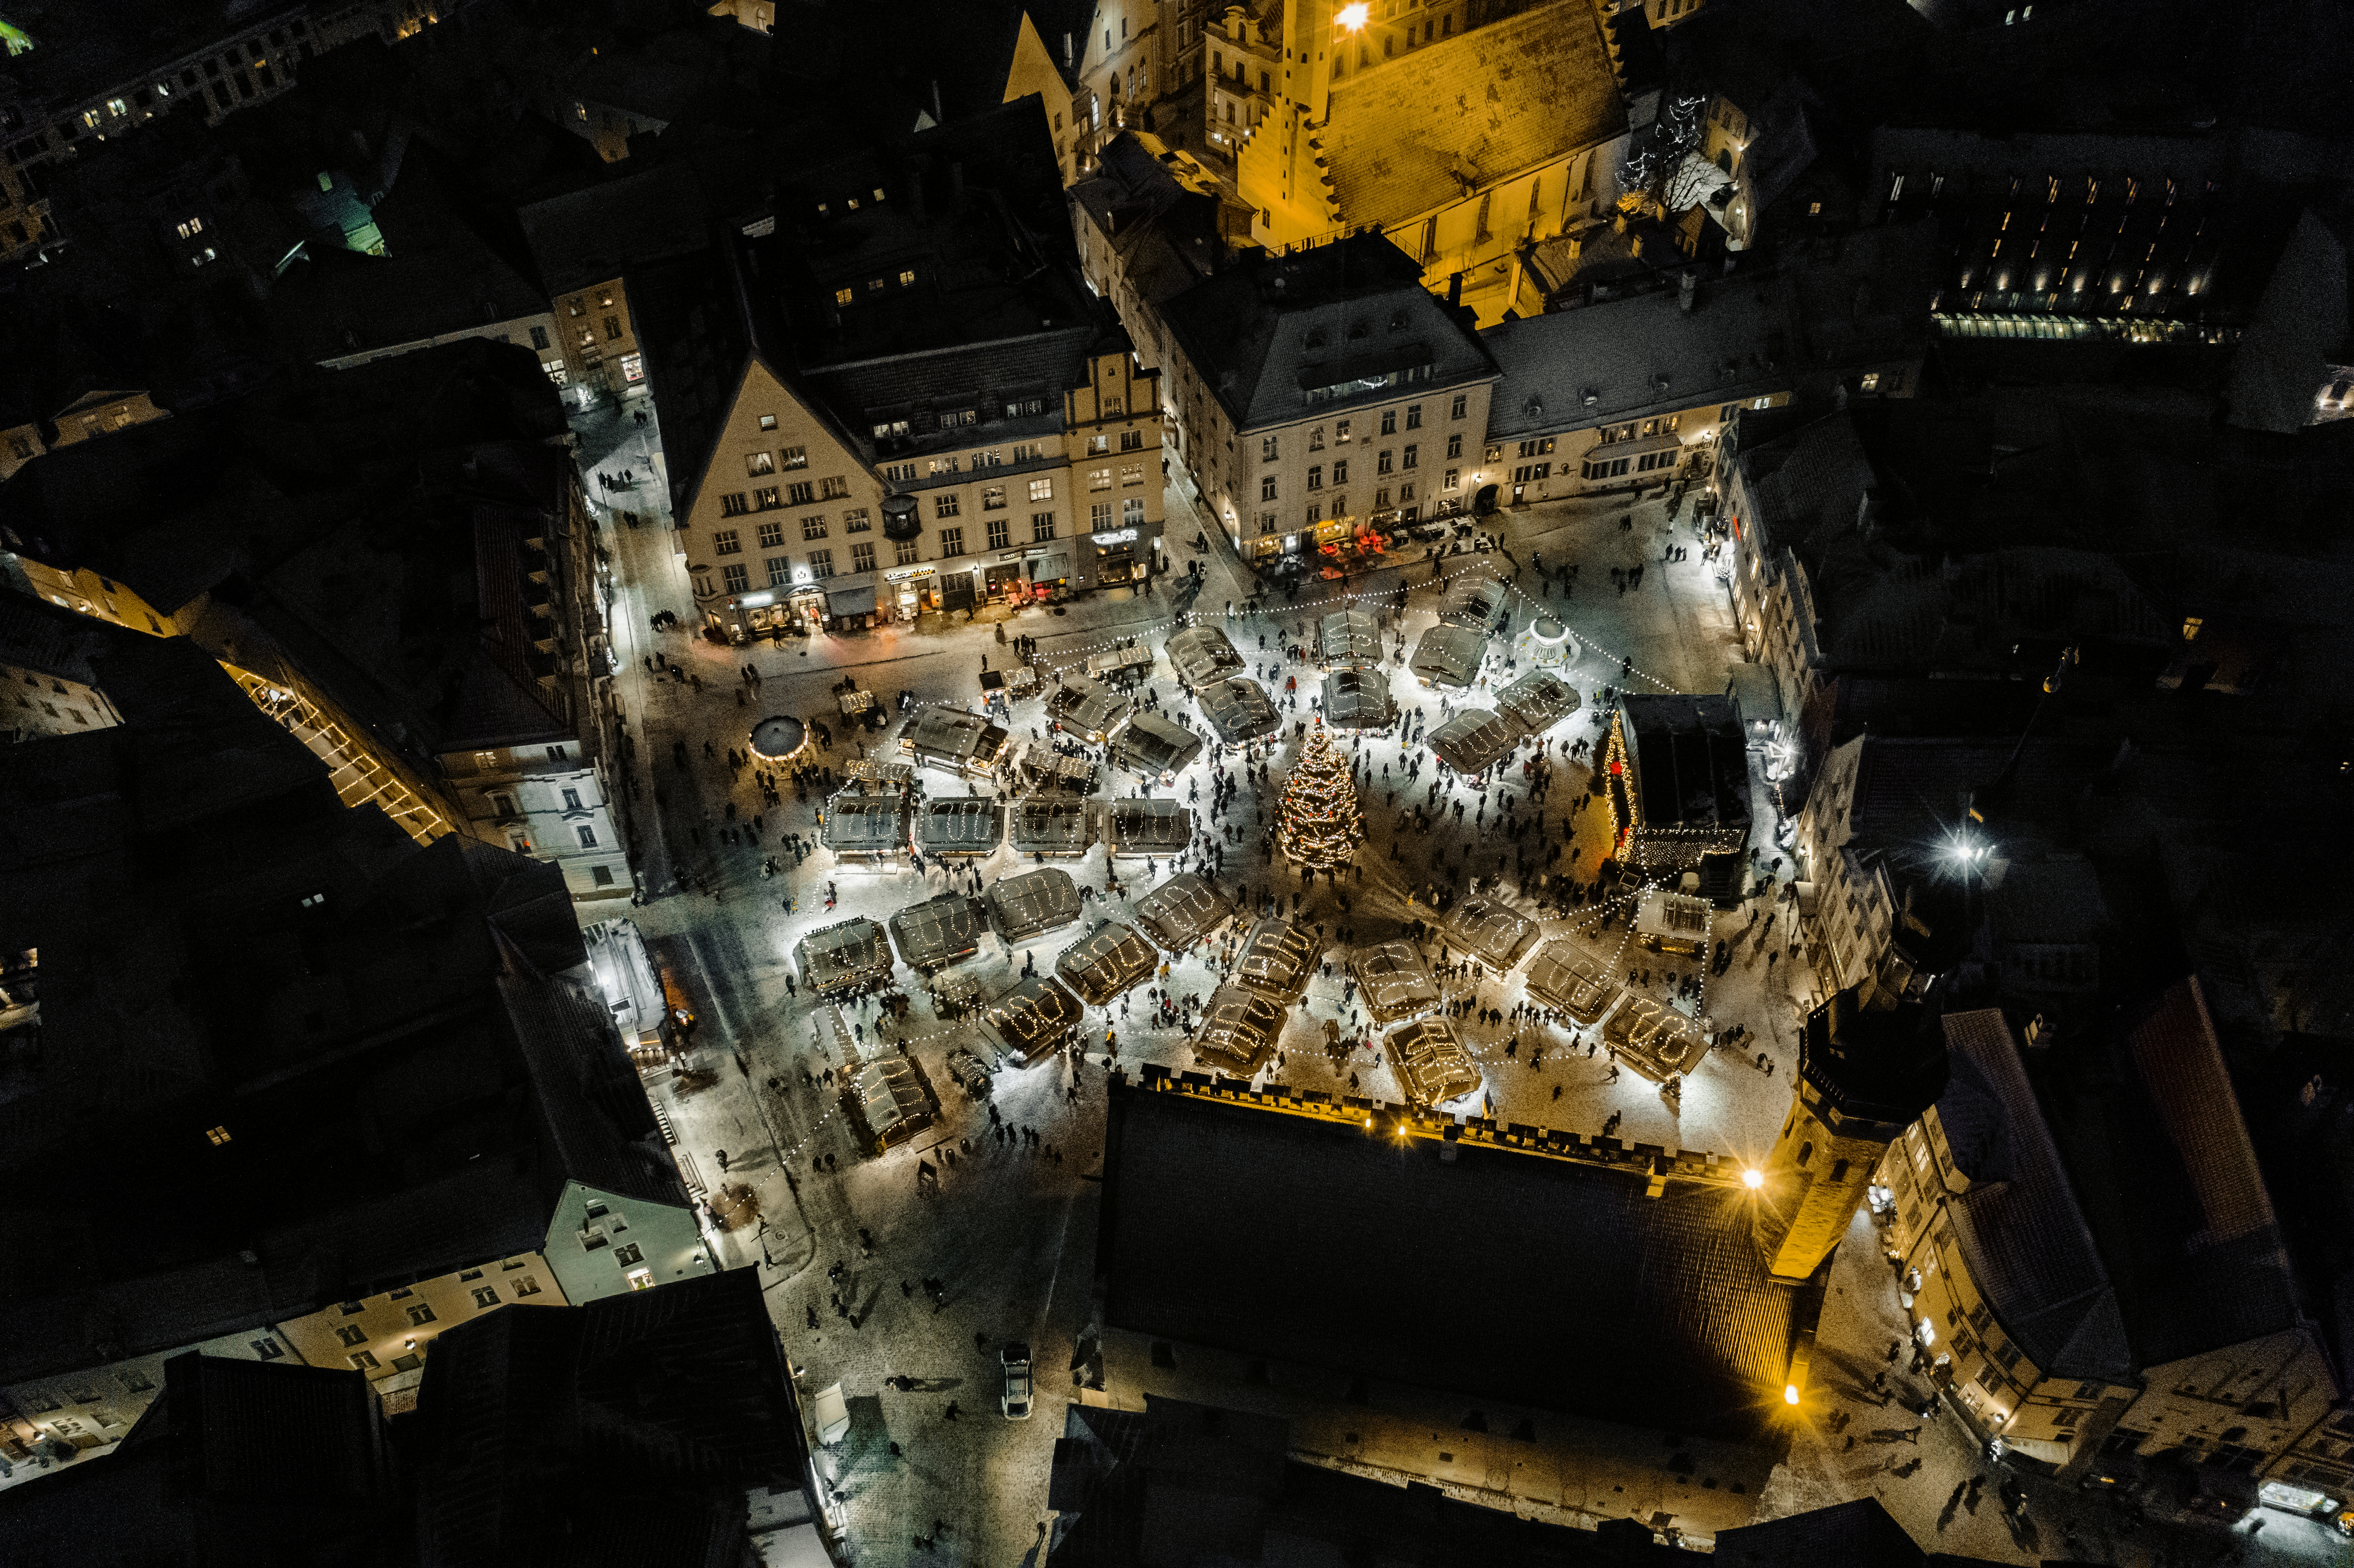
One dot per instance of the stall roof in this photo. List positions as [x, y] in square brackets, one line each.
[1239, 1025]
[1567, 977]
[1123, 663]
[858, 823]
[1538, 701]
[895, 1099]
[1433, 1067]
[850, 953]
[1351, 637]
[1039, 767]
[1238, 709]
[967, 826]
[1106, 961]
[1396, 982]
[1150, 743]
[1276, 958]
[1150, 827]
[1357, 699]
[1654, 1039]
[1087, 707]
[1033, 903]
[1051, 825]
[1183, 910]
[1491, 931]
[939, 931]
[1033, 1018]
[1475, 740]
[951, 734]
[777, 737]
[1200, 653]
[1472, 600]
[1449, 655]
[1689, 761]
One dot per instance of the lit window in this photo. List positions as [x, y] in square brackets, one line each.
[191, 228]
[217, 1136]
[843, 296]
[907, 279]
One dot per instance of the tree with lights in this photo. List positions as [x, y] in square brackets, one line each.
[1318, 823]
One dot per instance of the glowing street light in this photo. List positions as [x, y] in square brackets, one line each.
[1789, 1394]
[1753, 1179]
[1352, 18]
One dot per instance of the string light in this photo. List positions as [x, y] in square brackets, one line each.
[1318, 823]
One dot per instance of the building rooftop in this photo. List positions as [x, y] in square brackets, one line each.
[1238, 709]
[1357, 699]
[1033, 1017]
[1271, 334]
[1700, 1338]
[1276, 958]
[847, 953]
[1349, 637]
[2019, 1231]
[1492, 930]
[964, 738]
[1537, 700]
[1108, 960]
[971, 825]
[1150, 743]
[1433, 1067]
[1201, 654]
[1397, 983]
[1413, 133]
[939, 931]
[1239, 1027]
[1183, 910]
[863, 824]
[1150, 827]
[1748, 334]
[1474, 598]
[1689, 761]
[1051, 825]
[1449, 655]
[1566, 976]
[1475, 740]
[1087, 707]
[1032, 902]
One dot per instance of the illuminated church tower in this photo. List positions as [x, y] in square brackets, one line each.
[1863, 1077]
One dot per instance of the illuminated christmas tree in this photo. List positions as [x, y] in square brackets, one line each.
[1318, 823]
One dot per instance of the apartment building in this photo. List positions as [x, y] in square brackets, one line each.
[1324, 393]
[2101, 1290]
[49, 684]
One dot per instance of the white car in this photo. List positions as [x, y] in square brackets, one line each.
[1016, 1401]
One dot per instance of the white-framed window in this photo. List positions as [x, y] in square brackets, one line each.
[1042, 490]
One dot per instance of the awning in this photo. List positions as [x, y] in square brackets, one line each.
[851, 600]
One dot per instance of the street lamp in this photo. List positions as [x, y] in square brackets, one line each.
[1754, 1179]
[1352, 18]
[1789, 1394]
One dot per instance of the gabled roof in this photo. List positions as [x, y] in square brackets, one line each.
[1183, 910]
[1033, 903]
[1397, 983]
[1349, 637]
[1475, 740]
[1357, 699]
[1032, 1016]
[1492, 930]
[1108, 960]
[1238, 708]
[858, 823]
[1449, 655]
[1202, 654]
[1239, 1024]
[1051, 825]
[1538, 701]
[1432, 1064]
[1276, 958]
[1147, 743]
[848, 952]
[2023, 1238]
[1150, 827]
[1406, 135]
[966, 825]
[939, 931]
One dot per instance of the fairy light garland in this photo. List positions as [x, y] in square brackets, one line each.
[1320, 821]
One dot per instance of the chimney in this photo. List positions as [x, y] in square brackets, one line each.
[1068, 63]
[1454, 290]
[1688, 291]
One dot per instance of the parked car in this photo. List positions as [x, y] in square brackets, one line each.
[1016, 1359]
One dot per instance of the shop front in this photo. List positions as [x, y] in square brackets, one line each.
[956, 589]
[853, 608]
[1119, 558]
[1049, 570]
[909, 591]
[1006, 582]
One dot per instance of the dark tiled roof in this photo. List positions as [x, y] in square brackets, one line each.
[1698, 1338]
[1475, 740]
[1150, 827]
[1238, 708]
[1355, 308]
[1108, 960]
[2021, 1236]
[598, 1118]
[939, 931]
[1033, 903]
[1858, 1535]
[1183, 910]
